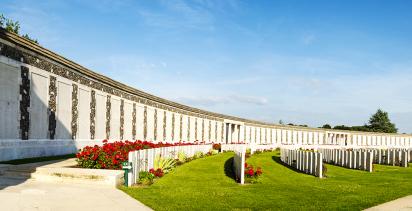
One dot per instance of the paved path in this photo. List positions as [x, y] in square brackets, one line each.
[21, 193]
[404, 203]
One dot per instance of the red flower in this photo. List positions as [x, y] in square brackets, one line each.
[259, 171]
[250, 172]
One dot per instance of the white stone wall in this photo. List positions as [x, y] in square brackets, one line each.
[192, 128]
[38, 106]
[64, 110]
[9, 101]
[83, 123]
[184, 127]
[219, 132]
[150, 124]
[115, 118]
[128, 121]
[160, 115]
[169, 127]
[100, 119]
[139, 121]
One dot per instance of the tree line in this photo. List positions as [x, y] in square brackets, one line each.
[378, 122]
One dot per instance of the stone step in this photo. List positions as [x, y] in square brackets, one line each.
[79, 176]
[62, 171]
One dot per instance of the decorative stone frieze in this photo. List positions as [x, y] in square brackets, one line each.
[203, 130]
[188, 128]
[52, 107]
[75, 111]
[196, 129]
[209, 130]
[24, 103]
[145, 123]
[121, 119]
[223, 132]
[108, 115]
[181, 127]
[134, 121]
[155, 125]
[173, 125]
[164, 125]
[92, 114]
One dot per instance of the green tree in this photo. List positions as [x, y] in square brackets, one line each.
[13, 26]
[342, 127]
[326, 126]
[2, 20]
[380, 122]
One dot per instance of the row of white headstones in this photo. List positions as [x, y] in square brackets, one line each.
[310, 162]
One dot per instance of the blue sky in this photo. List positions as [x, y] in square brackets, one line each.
[304, 62]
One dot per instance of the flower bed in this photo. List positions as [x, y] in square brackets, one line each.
[111, 155]
[251, 175]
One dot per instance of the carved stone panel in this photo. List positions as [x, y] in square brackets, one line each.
[52, 107]
[24, 103]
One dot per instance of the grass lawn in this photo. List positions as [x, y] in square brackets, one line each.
[203, 184]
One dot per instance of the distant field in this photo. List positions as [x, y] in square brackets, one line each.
[204, 184]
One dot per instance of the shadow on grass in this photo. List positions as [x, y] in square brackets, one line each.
[277, 160]
[228, 168]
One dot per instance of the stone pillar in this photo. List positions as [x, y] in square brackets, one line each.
[238, 133]
[229, 133]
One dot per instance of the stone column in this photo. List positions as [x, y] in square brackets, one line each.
[237, 133]
[229, 133]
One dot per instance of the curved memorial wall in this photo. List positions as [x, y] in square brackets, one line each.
[50, 105]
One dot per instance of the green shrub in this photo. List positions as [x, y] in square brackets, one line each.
[166, 164]
[197, 155]
[146, 178]
[213, 152]
[181, 156]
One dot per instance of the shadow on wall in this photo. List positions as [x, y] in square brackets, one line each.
[26, 114]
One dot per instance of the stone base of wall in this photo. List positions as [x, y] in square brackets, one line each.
[11, 149]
